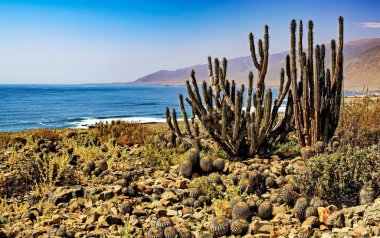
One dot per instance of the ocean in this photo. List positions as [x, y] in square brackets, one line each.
[78, 106]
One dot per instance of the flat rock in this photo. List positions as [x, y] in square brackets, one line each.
[372, 215]
[65, 194]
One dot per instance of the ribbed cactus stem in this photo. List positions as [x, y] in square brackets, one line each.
[184, 114]
[253, 51]
[317, 95]
[224, 122]
[249, 93]
[310, 62]
[333, 55]
[293, 76]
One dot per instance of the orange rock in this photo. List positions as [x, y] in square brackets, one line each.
[323, 214]
[323, 228]
[122, 197]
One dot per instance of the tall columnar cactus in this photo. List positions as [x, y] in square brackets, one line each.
[318, 92]
[219, 107]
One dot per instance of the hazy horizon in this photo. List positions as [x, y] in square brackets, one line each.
[68, 42]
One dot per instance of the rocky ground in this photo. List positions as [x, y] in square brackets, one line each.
[118, 195]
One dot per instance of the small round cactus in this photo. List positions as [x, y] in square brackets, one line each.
[246, 185]
[122, 182]
[270, 182]
[188, 202]
[255, 176]
[313, 200]
[289, 192]
[90, 166]
[186, 169]
[311, 211]
[195, 193]
[184, 232]
[239, 227]
[126, 207]
[219, 226]
[197, 204]
[193, 157]
[252, 204]
[202, 199]
[319, 147]
[164, 222]
[155, 232]
[318, 203]
[170, 232]
[241, 210]
[307, 152]
[305, 232]
[215, 178]
[206, 164]
[102, 165]
[218, 165]
[97, 172]
[366, 195]
[300, 208]
[237, 199]
[265, 210]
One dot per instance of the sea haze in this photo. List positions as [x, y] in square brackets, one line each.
[77, 106]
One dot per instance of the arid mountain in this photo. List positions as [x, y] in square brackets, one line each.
[361, 61]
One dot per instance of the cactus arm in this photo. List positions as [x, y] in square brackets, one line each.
[184, 114]
[293, 76]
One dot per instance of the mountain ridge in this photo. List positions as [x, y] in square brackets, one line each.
[361, 62]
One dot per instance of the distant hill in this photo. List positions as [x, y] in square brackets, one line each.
[361, 65]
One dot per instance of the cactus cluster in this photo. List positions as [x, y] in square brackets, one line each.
[313, 103]
[195, 166]
[95, 168]
[219, 107]
[317, 94]
[165, 229]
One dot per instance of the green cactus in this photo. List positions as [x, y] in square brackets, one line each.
[184, 232]
[155, 232]
[241, 210]
[239, 227]
[219, 226]
[170, 232]
[300, 207]
[265, 210]
[317, 97]
[219, 107]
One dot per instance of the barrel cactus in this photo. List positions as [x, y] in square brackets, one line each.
[219, 226]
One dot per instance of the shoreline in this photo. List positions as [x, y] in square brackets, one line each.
[88, 123]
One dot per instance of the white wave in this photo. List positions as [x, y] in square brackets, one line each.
[87, 122]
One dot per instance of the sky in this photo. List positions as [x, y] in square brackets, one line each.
[103, 41]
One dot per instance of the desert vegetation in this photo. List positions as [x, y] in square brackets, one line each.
[225, 170]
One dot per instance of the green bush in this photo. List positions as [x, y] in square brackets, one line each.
[338, 177]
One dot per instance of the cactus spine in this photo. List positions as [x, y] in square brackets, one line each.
[317, 95]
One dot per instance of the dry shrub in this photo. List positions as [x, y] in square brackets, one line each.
[5, 138]
[38, 171]
[360, 121]
[125, 133]
[338, 177]
[47, 134]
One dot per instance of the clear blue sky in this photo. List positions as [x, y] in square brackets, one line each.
[83, 41]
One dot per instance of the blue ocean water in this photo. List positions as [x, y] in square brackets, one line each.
[62, 106]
